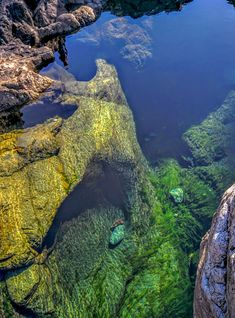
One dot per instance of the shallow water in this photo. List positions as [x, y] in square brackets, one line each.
[174, 67]
[39, 112]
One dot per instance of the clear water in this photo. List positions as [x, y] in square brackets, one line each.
[38, 113]
[183, 67]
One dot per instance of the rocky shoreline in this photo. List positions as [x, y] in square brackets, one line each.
[23, 53]
[30, 32]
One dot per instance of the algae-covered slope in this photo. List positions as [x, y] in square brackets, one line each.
[212, 145]
[77, 273]
[52, 158]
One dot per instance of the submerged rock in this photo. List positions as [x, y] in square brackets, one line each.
[42, 164]
[76, 274]
[135, 40]
[212, 146]
[177, 194]
[212, 140]
[118, 234]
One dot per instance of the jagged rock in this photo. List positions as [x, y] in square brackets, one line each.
[25, 24]
[40, 166]
[214, 291]
[19, 81]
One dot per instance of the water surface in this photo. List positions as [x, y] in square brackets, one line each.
[174, 67]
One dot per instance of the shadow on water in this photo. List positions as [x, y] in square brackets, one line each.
[101, 186]
[39, 112]
[34, 114]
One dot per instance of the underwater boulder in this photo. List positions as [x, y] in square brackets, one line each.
[118, 234]
[177, 195]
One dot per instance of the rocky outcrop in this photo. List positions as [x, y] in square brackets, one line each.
[25, 26]
[214, 291]
[58, 148]
[61, 264]
[34, 22]
[19, 81]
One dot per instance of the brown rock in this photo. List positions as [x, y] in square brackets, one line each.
[215, 284]
[19, 80]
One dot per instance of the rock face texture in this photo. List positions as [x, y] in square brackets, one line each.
[19, 81]
[33, 21]
[25, 26]
[214, 292]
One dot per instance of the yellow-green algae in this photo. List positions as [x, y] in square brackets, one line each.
[39, 166]
[147, 274]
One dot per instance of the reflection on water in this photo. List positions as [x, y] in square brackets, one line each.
[174, 68]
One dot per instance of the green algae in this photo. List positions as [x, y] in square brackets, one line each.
[212, 140]
[212, 146]
[147, 275]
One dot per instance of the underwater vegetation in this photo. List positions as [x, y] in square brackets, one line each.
[212, 146]
[131, 257]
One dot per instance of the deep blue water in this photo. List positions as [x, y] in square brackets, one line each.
[174, 67]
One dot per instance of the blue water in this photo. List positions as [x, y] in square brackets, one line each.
[182, 68]
[188, 70]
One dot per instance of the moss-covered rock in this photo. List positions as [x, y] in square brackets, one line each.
[212, 146]
[78, 274]
[41, 165]
[212, 140]
[74, 273]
